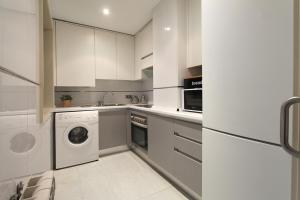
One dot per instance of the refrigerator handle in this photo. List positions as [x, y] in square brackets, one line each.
[284, 126]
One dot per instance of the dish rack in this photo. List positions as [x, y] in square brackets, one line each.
[41, 187]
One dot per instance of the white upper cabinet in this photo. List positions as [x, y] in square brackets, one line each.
[143, 50]
[125, 57]
[147, 43]
[85, 54]
[75, 55]
[19, 38]
[138, 55]
[169, 43]
[106, 54]
[194, 51]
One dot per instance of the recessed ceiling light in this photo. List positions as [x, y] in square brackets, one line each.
[167, 28]
[106, 11]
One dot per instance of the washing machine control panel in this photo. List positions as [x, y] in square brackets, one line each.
[80, 116]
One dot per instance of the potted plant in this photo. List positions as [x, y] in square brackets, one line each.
[66, 100]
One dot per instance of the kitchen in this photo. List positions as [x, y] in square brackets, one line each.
[140, 99]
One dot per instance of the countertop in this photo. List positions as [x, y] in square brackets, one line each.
[162, 111]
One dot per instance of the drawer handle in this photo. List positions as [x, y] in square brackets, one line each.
[187, 138]
[187, 155]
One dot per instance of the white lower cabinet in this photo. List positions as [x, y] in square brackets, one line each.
[235, 168]
[176, 146]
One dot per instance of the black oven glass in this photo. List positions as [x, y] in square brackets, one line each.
[139, 136]
[193, 100]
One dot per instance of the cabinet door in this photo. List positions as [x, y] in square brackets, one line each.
[194, 33]
[243, 169]
[125, 57]
[165, 44]
[112, 129]
[75, 55]
[147, 47]
[147, 44]
[160, 143]
[138, 45]
[18, 37]
[188, 154]
[143, 47]
[106, 54]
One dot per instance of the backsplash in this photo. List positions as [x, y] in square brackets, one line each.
[115, 91]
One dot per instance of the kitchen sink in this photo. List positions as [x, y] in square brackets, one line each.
[144, 106]
[104, 105]
[115, 104]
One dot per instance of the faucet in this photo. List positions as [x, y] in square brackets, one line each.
[133, 99]
[101, 102]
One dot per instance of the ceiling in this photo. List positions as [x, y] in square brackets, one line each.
[127, 16]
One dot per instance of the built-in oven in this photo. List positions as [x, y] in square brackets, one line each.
[192, 95]
[139, 131]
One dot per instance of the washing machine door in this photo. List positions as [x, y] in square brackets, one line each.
[78, 135]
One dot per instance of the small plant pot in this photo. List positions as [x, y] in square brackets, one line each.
[67, 103]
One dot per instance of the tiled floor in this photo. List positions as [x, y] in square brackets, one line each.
[121, 176]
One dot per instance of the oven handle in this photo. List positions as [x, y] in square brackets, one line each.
[193, 89]
[139, 125]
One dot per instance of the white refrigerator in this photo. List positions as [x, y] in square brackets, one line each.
[248, 73]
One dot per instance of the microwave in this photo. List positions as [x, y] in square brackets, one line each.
[192, 95]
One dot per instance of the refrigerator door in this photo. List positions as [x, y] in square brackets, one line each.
[240, 169]
[247, 65]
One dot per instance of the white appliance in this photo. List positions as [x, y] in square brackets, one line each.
[248, 66]
[76, 138]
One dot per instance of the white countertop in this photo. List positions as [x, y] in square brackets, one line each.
[100, 108]
[162, 111]
[172, 113]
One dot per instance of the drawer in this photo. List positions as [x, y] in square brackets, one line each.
[188, 171]
[188, 130]
[189, 147]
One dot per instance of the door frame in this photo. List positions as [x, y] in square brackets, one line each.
[296, 113]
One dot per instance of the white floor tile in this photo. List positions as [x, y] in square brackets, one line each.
[121, 176]
[66, 176]
[167, 194]
[68, 191]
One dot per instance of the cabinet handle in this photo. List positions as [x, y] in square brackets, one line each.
[284, 126]
[187, 155]
[187, 138]
[146, 56]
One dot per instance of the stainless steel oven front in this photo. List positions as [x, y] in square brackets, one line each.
[139, 131]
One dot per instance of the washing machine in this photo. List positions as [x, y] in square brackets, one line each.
[76, 138]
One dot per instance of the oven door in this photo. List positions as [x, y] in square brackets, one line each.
[192, 100]
[139, 134]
